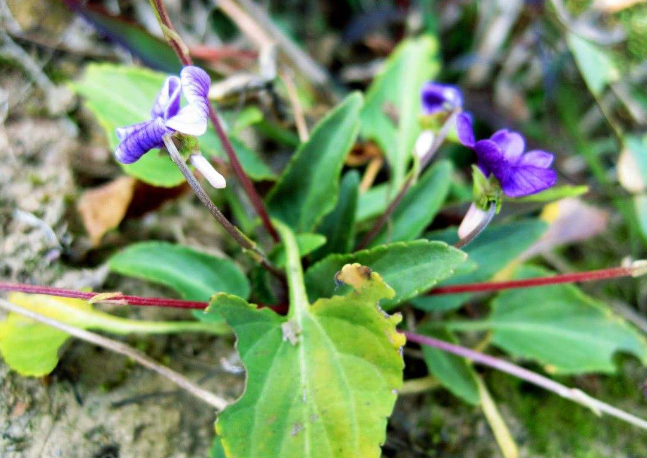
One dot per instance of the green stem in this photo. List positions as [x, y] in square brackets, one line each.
[122, 326]
[94, 319]
[298, 296]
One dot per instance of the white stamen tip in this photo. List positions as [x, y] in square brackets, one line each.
[206, 169]
[423, 143]
[472, 219]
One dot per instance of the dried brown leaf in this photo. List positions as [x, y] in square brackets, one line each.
[103, 208]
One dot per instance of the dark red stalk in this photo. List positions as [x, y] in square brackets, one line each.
[614, 272]
[183, 54]
[130, 300]
[592, 275]
[118, 297]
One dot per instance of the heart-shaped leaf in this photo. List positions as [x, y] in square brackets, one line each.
[321, 381]
[560, 327]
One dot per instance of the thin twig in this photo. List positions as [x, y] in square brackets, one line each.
[232, 230]
[572, 394]
[297, 109]
[372, 169]
[245, 22]
[384, 217]
[123, 349]
[183, 54]
[300, 59]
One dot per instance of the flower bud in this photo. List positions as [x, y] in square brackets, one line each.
[423, 143]
[471, 221]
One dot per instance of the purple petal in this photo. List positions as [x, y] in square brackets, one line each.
[525, 180]
[465, 130]
[192, 119]
[511, 143]
[123, 132]
[167, 103]
[489, 154]
[440, 97]
[140, 141]
[537, 158]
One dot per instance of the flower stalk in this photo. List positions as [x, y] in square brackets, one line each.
[247, 245]
[572, 394]
[638, 268]
[424, 159]
[183, 55]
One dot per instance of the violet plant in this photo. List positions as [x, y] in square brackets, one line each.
[323, 354]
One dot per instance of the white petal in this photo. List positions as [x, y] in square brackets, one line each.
[190, 120]
[206, 169]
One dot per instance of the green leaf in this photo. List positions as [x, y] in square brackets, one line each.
[597, 68]
[640, 207]
[410, 268]
[493, 250]
[32, 348]
[123, 95]
[452, 371]
[216, 450]
[560, 327]
[322, 381]
[397, 88]
[196, 276]
[307, 189]
[306, 243]
[419, 206]
[554, 193]
[339, 225]
[373, 202]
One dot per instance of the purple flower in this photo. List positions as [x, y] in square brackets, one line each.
[438, 97]
[520, 174]
[167, 116]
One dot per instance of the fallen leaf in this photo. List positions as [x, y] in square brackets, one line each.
[570, 220]
[103, 208]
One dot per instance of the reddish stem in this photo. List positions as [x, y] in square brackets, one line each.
[592, 275]
[130, 300]
[118, 297]
[242, 176]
